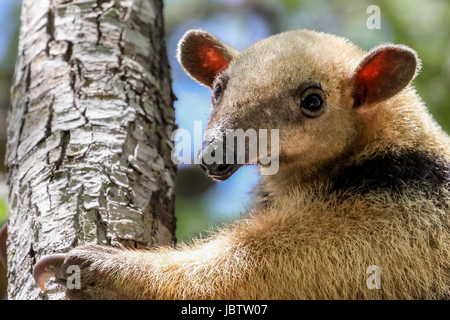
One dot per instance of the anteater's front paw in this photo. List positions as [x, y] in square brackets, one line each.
[88, 272]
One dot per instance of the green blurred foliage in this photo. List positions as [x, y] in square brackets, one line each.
[290, 5]
[192, 219]
[3, 211]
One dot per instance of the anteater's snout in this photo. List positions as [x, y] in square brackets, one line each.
[213, 160]
[220, 172]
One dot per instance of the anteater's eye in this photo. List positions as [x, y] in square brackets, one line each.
[313, 102]
[217, 92]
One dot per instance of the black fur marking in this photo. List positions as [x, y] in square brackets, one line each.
[395, 171]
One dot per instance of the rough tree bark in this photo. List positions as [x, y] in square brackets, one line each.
[89, 133]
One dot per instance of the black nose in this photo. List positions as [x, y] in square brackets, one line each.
[218, 171]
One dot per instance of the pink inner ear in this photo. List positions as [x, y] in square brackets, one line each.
[373, 71]
[382, 74]
[212, 60]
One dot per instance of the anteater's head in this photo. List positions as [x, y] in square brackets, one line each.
[318, 90]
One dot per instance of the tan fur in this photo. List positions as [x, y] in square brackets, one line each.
[306, 243]
[301, 247]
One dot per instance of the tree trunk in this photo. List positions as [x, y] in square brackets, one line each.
[89, 149]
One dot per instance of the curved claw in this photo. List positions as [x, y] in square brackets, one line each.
[46, 268]
[3, 247]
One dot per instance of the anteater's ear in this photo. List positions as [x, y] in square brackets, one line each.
[383, 73]
[202, 56]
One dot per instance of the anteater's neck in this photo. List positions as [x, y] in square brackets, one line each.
[393, 171]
